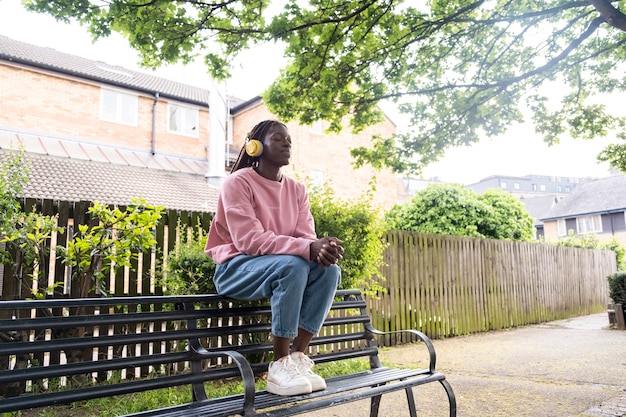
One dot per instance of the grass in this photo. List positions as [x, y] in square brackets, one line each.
[149, 400]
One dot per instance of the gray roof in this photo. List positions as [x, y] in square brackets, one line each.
[537, 207]
[594, 197]
[51, 59]
[62, 169]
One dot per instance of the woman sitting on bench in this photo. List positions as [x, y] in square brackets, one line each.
[263, 241]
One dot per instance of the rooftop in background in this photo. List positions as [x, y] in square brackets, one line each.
[51, 59]
[601, 196]
[62, 169]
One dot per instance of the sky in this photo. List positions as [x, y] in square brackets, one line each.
[520, 152]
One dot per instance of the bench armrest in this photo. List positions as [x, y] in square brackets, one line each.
[421, 336]
[245, 370]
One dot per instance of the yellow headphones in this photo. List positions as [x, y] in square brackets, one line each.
[254, 148]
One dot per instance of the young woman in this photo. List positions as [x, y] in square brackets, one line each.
[264, 244]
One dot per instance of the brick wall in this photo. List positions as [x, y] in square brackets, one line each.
[48, 104]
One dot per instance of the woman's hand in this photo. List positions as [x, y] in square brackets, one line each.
[326, 251]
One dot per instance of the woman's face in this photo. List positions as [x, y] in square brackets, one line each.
[276, 146]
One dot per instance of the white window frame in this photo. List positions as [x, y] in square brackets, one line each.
[317, 127]
[503, 185]
[187, 120]
[316, 178]
[561, 226]
[125, 107]
[589, 224]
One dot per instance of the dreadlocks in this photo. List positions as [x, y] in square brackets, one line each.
[258, 132]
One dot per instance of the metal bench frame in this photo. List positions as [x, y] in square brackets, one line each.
[222, 338]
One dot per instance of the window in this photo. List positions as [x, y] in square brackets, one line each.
[118, 107]
[516, 185]
[542, 187]
[561, 227]
[589, 224]
[534, 187]
[317, 179]
[567, 189]
[503, 184]
[183, 120]
[317, 127]
[558, 188]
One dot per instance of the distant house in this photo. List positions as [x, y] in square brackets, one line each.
[597, 207]
[537, 207]
[538, 192]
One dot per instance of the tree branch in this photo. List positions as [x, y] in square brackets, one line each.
[611, 15]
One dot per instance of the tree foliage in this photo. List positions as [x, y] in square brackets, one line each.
[450, 209]
[460, 70]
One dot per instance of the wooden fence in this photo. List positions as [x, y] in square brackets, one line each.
[448, 286]
[441, 285]
[140, 280]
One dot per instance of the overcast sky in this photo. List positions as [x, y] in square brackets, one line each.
[518, 153]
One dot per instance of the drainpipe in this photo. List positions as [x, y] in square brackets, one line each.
[153, 136]
[218, 121]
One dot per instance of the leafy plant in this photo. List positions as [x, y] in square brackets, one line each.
[359, 226]
[617, 287]
[112, 241]
[189, 270]
[25, 235]
[460, 70]
[591, 241]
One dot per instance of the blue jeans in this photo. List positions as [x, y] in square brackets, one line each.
[301, 292]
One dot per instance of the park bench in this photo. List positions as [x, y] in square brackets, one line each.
[60, 351]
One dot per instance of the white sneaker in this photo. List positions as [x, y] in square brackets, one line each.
[283, 378]
[305, 367]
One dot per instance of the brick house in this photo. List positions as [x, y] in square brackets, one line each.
[93, 131]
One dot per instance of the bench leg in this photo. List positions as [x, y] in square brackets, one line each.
[451, 397]
[375, 406]
[411, 402]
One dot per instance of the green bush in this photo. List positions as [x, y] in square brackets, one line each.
[189, 270]
[450, 209]
[591, 241]
[358, 224]
[617, 287]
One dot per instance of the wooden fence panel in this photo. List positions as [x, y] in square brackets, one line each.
[447, 285]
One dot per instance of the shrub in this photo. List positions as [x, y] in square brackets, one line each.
[591, 241]
[361, 229]
[450, 209]
[189, 269]
[617, 287]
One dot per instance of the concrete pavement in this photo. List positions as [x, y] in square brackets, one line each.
[566, 368]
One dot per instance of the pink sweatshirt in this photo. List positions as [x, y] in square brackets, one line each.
[257, 216]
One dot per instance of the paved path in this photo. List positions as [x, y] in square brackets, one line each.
[566, 368]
